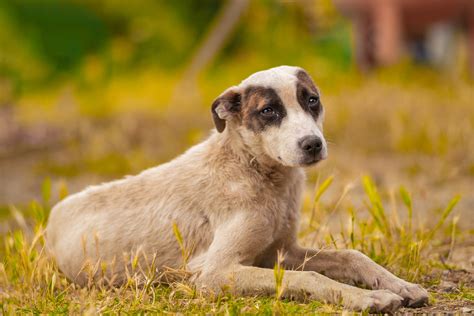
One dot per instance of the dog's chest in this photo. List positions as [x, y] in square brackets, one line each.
[285, 221]
[287, 213]
[284, 206]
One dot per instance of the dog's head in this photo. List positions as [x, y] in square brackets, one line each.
[278, 113]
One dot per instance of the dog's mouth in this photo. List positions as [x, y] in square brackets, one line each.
[306, 160]
[312, 160]
[310, 163]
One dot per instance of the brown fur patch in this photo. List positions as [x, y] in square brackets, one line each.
[306, 80]
[305, 88]
[256, 99]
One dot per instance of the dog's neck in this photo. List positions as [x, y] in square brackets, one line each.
[230, 142]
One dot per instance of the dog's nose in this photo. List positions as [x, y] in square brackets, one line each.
[311, 145]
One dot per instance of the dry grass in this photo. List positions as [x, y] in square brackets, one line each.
[412, 214]
[31, 282]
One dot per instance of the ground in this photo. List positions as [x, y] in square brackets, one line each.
[398, 185]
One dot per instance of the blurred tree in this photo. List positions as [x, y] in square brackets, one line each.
[61, 32]
[93, 44]
[218, 33]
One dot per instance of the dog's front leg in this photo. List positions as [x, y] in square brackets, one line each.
[228, 265]
[354, 267]
[300, 285]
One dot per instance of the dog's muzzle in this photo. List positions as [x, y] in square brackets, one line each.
[312, 148]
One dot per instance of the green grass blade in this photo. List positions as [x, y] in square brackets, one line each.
[323, 188]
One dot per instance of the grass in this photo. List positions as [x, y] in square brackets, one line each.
[30, 282]
[413, 230]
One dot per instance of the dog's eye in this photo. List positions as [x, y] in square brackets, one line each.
[268, 111]
[313, 101]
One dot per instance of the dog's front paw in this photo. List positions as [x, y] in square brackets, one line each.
[379, 301]
[414, 295]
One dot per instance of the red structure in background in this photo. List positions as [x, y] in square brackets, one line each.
[384, 27]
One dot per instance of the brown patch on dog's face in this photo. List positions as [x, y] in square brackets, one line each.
[262, 108]
[308, 95]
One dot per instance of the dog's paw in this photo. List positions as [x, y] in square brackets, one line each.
[379, 301]
[414, 295]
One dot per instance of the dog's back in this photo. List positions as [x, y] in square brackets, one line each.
[116, 221]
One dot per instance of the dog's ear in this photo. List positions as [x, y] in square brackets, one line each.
[225, 107]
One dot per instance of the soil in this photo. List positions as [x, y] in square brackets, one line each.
[449, 294]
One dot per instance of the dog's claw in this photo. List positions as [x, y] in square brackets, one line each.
[379, 301]
[414, 295]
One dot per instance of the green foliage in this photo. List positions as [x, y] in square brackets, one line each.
[179, 238]
[375, 206]
[319, 192]
[61, 32]
[61, 36]
[398, 245]
[279, 273]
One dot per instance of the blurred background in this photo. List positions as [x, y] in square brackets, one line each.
[95, 90]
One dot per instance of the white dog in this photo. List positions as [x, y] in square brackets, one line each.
[235, 199]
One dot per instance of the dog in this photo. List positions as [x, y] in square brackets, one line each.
[234, 202]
